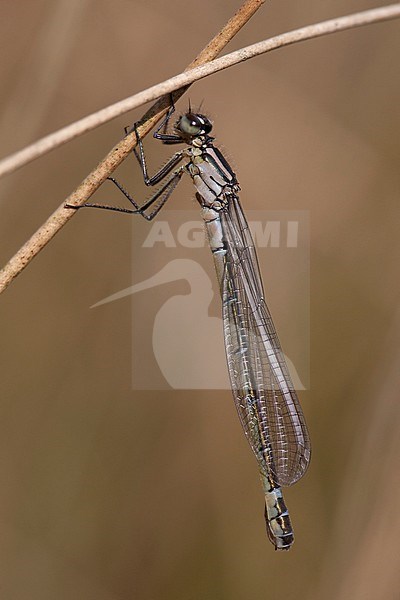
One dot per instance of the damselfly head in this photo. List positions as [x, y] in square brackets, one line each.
[192, 125]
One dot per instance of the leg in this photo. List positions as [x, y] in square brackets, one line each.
[161, 173]
[165, 169]
[157, 177]
[164, 122]
[166, 138]
[160, 195]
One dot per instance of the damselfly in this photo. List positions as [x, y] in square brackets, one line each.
[264, 395]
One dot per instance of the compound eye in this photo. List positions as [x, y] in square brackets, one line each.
[207, 125]
[190, 124]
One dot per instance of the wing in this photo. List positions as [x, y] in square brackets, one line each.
[264, 395]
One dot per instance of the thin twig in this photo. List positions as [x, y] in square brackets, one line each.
[191, 74]
[119, 152]
[93, 181]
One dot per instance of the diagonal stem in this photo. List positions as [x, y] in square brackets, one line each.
[117, 154]
[180, 84]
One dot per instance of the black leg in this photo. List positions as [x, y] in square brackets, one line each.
[166, 138]
[163, 125]
[159, 199]
[159, 175]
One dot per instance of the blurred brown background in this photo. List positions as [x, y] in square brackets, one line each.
[112, 494]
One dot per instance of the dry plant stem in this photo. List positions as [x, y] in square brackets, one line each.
[119, 152]
[191, 74]
[114, 158]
